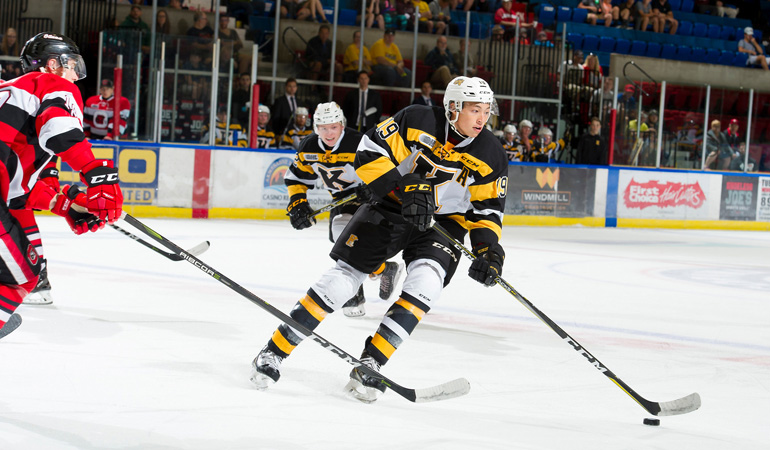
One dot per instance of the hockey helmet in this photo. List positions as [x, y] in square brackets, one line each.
[302, 111]
[525, 123]
[328, 113]
[45, 46]
[264, 109]
[467, 89]
[545, 131]
[510, 128]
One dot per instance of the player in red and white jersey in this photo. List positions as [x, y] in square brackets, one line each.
[41, 116]
[98, 114]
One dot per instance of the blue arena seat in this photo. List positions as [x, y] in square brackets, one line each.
[676, 5]
[698, 55]
[606, 44]
[712, 56]
[590, 43]
[668, 51]
[685, 28]
[653, 50]
[726, 58]
[638, 48]
[563, 14]
[348, 17]
[579, 15]
[576, 39]
[740, 59]
[727, 32]
[687, 6]
[713, 31]
[699, 29]
[683, 53]
[758, 35]
[622, 46]
[546, 15]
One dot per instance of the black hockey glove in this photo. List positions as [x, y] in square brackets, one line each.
[488, 263]
[417, 204]
[299, 214]
[364, 194]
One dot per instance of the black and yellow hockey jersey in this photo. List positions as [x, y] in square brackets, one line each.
[294, 137]
[235, 137]
[469, 179]
[333, 166]
[265, 138]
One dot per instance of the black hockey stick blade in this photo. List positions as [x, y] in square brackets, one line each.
[683, 405]
[333, 205]
[444, 391]
[13, 323]
[197, 250]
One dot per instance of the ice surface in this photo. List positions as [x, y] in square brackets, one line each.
[139, 352]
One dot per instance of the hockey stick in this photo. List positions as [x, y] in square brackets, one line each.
[675, 407]
[197, 250]
[450, 389]
[333, 205]
[13, 323]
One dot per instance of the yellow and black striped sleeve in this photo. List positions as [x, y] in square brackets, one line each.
[484, 219]
[300, 176]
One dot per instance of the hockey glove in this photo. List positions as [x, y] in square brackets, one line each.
[44, 190]
[103, 196]
[488, 263]
[300, 214]
[67, 202]
[364, 194]
[417, 203]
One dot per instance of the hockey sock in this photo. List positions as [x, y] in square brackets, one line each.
[11, 297]
[309, 312]
[399, 322]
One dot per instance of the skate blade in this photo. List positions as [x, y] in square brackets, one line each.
[38, 298]
[261, 381]
[354, 311]
[354, 389]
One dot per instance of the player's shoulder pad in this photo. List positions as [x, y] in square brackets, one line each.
[490, 148]
[310, 144]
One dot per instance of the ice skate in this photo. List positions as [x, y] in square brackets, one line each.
[266, 369]
[361, 386]
[389, 279]
[355, 306]
[41, 295]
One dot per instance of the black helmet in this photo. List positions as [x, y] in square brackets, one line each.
[44, 46]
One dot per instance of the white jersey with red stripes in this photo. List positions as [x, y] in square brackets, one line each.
[98, 114]
[41, 115]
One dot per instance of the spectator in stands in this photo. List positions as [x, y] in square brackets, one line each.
[350, 59]
[442, 63]
[716, 8]
[231, 46]
[424, 97]
[241, 10]
[285, 107]
[497, 33]
[592, 147]
[10, 47]
[134, 22]
[204, 36]
[608, 12]
[293, 9]
[176, 4]
[460, 59]
[425, 24]
[542, 40]
[733, 135]
[719, 153]
[241, 100]
[592, 73]
[477, 5]
[316, 9]
[739, 161]
[756, 53]
[507, 18]
[627, 12]
[441, 10]
[265, 134]
[319, 55]
[373, 13]
[593, 8]
[362, 106]
[662, 9]
[299, 129]
[602, 98]
[388, 63]
[645, 16]
[196, 87]
[162, 25]
[652, 126]
[627, 100]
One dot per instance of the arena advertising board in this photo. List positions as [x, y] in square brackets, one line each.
[665, 195]
[739, 198]
[550, 191]
[763, 199]
[275, 195]
[137, 171]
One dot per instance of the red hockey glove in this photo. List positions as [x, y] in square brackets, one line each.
[103, 196]
[67, 204]
[44, 190]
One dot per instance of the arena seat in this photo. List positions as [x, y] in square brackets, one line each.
[546, 15]
[685, 28]
[590, 43]
[653, 50]
[606, 44]
[622, 46]
[638, 48]
[579, 15]
[563, 14]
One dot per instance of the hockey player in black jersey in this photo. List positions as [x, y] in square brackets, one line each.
[328, 154]
[425, 163]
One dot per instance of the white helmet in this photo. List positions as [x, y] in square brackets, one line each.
[302, 111]
[510, 128]
[467, 89]
[545, 131]
[328, 113]
[264, 109]
[525, 123]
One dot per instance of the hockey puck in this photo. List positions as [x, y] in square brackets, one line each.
[653, 422]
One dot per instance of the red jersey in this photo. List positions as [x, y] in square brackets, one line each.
[98, 115]
[41, 115]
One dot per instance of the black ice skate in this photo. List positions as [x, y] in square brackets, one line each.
[389, 279]
[355, 306]
[41, 295]
[266, 369]
[361, 386]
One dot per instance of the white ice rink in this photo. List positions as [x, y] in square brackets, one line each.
[139, 352]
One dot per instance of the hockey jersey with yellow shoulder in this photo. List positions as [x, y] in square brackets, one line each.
[469, 179]
[333, 166]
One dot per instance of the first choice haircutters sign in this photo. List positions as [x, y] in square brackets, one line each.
[666, 195]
